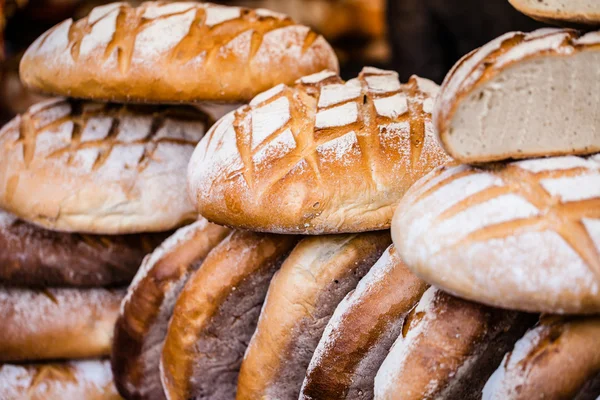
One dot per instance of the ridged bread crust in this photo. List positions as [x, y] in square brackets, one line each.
[323, 156]
[163, 52]
[76, 166]
[578, 13]
[522, 235]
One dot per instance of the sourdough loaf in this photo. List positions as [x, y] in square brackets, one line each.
[579, 13]
[322, 156]
[523, 95]
[165, 52]
[522, 235]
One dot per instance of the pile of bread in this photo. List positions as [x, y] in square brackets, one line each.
[287, 285]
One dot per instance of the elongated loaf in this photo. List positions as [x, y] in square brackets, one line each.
[216, 315]
[176, 52]
[302, 296]
[322, 156]
[522, 235]
[57, 323]
[521, 96]
[447, 350]
[361, 331]
[147, 308]
[579, 13]
[99, 168]
[558, 359]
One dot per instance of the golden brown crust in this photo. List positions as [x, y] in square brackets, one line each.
[277, 164]
[99, 168]
[172, 53]
[145, 312]
[580, 20]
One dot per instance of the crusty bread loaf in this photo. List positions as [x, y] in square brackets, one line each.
[36, 258]
[361, 331]
[302, 296]
[216, 315]
[173, 52]
[322, 156]
[57, 323]
[523, 95]
[447, 349]
[99, 168]
[559, 359]
[74, 380]
[578, 13]
[523, 235]
[145, 312]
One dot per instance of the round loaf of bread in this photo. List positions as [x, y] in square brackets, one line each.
[73, 380]
[34, 257]
[558, 359]
[521, 96]
[579, 13]
[165, 52]
[99, 168]
[145, 312]
[523, 235]
[57, 324]
[322, 156]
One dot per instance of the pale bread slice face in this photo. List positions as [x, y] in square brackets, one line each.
[579, 13]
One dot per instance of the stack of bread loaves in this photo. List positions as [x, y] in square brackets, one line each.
[90, 184]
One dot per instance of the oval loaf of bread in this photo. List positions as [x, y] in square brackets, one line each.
[523, 235]
[165, 52]
[323, 156]
[99, 168]
[579, 13]
[521, 96]
[147, 308]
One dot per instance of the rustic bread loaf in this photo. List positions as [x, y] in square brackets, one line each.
[361, 331]
[447, 349]
[147, 308]
[176, 52]
[559, 359]
[579, 13]
[73, 380]
[99, 168]
[57, 323]
[302, 296]
[522, 235]
[523, 95]
[322, 156]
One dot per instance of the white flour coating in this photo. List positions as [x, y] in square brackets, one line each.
[434, 178]
[574, 188]
[56, 41]
[134, 127]
[393, 137]
[530, 47]
[48, 115]
[267, 95]
[161, 35]
[182, 130]
[338, 116]
[339, 148]
[154, 11]
[216, 15]
[428, 105]
[101, 34]
[318, 77]
[101, 11]
[392, 106]
[37, 107]
[378, 71]
[239, 46]
[96, 128]
[384, 83]
[543, 32]
[84, 159]
[593, 228]
[427, 86]
[263, 12]
[51, 140]
[284, 43]
[268, 119]
[6, 219]
[589, 38]
[277, 148]
[339, 93]
[556, 163]
[121, 158]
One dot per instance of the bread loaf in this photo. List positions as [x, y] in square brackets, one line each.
[521, 96]
[216, 315]
[74, 380]
[579, 13]
[558, 359]
[99, 168]
[302, 296]
[38, 258]
[147, 308]
[57, 323]
[523, 235]
[322, 156]
[361, 331]
[176, 52]
[447, 349]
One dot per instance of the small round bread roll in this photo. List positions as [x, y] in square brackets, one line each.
[579, 13]
[323, 156]
[57, 324]
[34, 257]
[559, 359]
[145, 312]
[99, 168]
[73, 380]
[173, 52]
[523, 95]
[523, 235]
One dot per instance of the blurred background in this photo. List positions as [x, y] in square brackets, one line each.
[424, 37]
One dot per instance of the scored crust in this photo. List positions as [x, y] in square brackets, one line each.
[577, 13]
[522, 235]
[322, 156]
[176, 52]
[76, 166]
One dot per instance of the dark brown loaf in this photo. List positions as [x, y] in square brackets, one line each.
[145, 312]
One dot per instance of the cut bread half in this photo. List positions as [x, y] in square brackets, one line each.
[561, 12]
